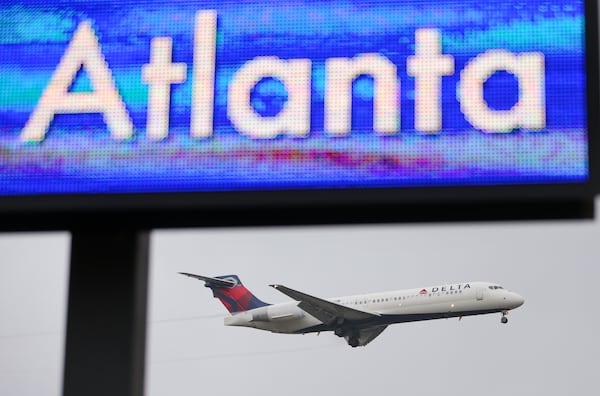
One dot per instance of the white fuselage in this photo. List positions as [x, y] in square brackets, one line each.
[461, 299]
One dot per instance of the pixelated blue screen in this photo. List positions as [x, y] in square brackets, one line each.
[150, 96]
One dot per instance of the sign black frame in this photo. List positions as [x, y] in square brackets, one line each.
[184, 209]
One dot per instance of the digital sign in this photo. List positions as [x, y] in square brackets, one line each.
[137, 97]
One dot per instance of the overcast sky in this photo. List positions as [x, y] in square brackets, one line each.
[550, 345]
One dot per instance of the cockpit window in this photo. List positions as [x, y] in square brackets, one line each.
[495, 287]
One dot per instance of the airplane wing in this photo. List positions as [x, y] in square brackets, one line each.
[211, 281]
[368, 334]
[326, 311]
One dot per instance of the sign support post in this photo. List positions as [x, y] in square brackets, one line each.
[106, 323]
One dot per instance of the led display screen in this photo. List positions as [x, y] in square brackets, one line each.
[113, 97]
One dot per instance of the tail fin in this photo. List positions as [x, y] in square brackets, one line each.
[231, 292]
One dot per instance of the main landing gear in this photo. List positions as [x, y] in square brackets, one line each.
[504, 319]
[350, 335]
[353, 342]
[340, 331]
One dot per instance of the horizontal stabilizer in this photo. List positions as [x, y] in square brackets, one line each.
[211, 282]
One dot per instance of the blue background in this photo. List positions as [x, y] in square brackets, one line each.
[79, 156]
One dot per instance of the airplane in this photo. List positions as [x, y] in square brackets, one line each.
[359, 318]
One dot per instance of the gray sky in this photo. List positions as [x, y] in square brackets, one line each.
[33, 291]
[550, 345]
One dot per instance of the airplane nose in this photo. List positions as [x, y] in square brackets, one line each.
[517, 300]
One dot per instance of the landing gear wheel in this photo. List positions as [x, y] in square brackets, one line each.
[340, 332]
[353, 342]
[504, 319]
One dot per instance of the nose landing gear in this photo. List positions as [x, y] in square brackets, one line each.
[504, 319]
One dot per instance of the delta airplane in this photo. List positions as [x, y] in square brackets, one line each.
[360, 318]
